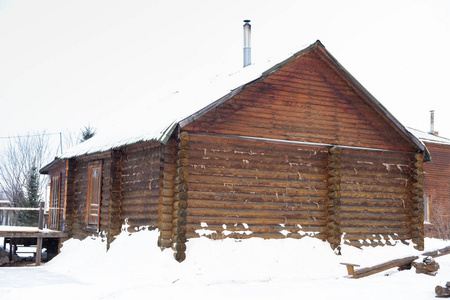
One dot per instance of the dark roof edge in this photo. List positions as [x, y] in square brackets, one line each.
[46, 168]
[399, 125]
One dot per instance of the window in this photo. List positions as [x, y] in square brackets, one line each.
[55, 196]
[426, 208]
[94, 195]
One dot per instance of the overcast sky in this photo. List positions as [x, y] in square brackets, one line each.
[67, 64]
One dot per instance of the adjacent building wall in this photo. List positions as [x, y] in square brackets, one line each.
[437, 191]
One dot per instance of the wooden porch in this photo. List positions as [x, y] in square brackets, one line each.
[29, 236]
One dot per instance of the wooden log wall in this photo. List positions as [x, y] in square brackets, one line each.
[69, 197]
[252, 188]
[437, 189]
[115, 189]
[180, 197]
[167, 176]
[80, 196]
[334, 197]
[375, 196]
[140, 187]
[416, 212]
[305, 100]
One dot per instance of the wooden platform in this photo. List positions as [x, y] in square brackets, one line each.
[10, 233]
[29, 232]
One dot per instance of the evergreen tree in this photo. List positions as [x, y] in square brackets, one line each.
[30, 199]
[86, 133]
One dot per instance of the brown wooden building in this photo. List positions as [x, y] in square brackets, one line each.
[302, 148]
[436, 185]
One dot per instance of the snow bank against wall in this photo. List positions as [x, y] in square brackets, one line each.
[135, 268]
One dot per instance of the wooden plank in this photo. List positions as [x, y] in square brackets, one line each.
[384, 266]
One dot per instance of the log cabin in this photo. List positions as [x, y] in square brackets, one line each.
[298, 148]
[436, 184]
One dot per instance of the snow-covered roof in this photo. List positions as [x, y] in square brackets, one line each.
[163, 114]
[428, 137]
[157, 121]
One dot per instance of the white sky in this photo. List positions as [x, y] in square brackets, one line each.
[67, 64]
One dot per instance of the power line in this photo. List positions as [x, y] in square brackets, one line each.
[28, 136]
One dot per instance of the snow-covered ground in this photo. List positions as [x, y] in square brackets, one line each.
[135, 268]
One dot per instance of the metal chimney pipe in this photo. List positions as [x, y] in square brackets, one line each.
[247, 38]
[432, 121]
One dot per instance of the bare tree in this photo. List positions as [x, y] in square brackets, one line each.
[440, 222]
[17, 159]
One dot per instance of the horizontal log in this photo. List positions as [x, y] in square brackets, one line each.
[198, 172]
[179, 238]
[223, 204]
[309, 191]
[251, 198]
[180, 213]
[384, 266]
[183, 144]
[369, 196]
[374, 223]
[256, 235]
[165, 243]
[369, 203]
[167, 192]
[296, 183]
[184, 136]
[376, 236]
[253, 213]
[182, 162]
[254, 221]
[179, 230]
[183, 153]
[179, 256]
[305, 229]
[181, 187]
[168, 177]
[166, 226]
[371, 212]
[281, 163]
[166, 234]
[179, 222]
[438, 252]
[166, 209]
[180, 196]
[376, 230]
[179, 247]
[167, 184]
[182, 172]
[169, 167]
[167, 217]
[181, 204]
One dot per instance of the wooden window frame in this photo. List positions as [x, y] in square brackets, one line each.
[52, 204]
[94, 226]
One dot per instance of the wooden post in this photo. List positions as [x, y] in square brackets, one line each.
[10, 249]
[41, 216]
[39, 238]
[38, 251]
